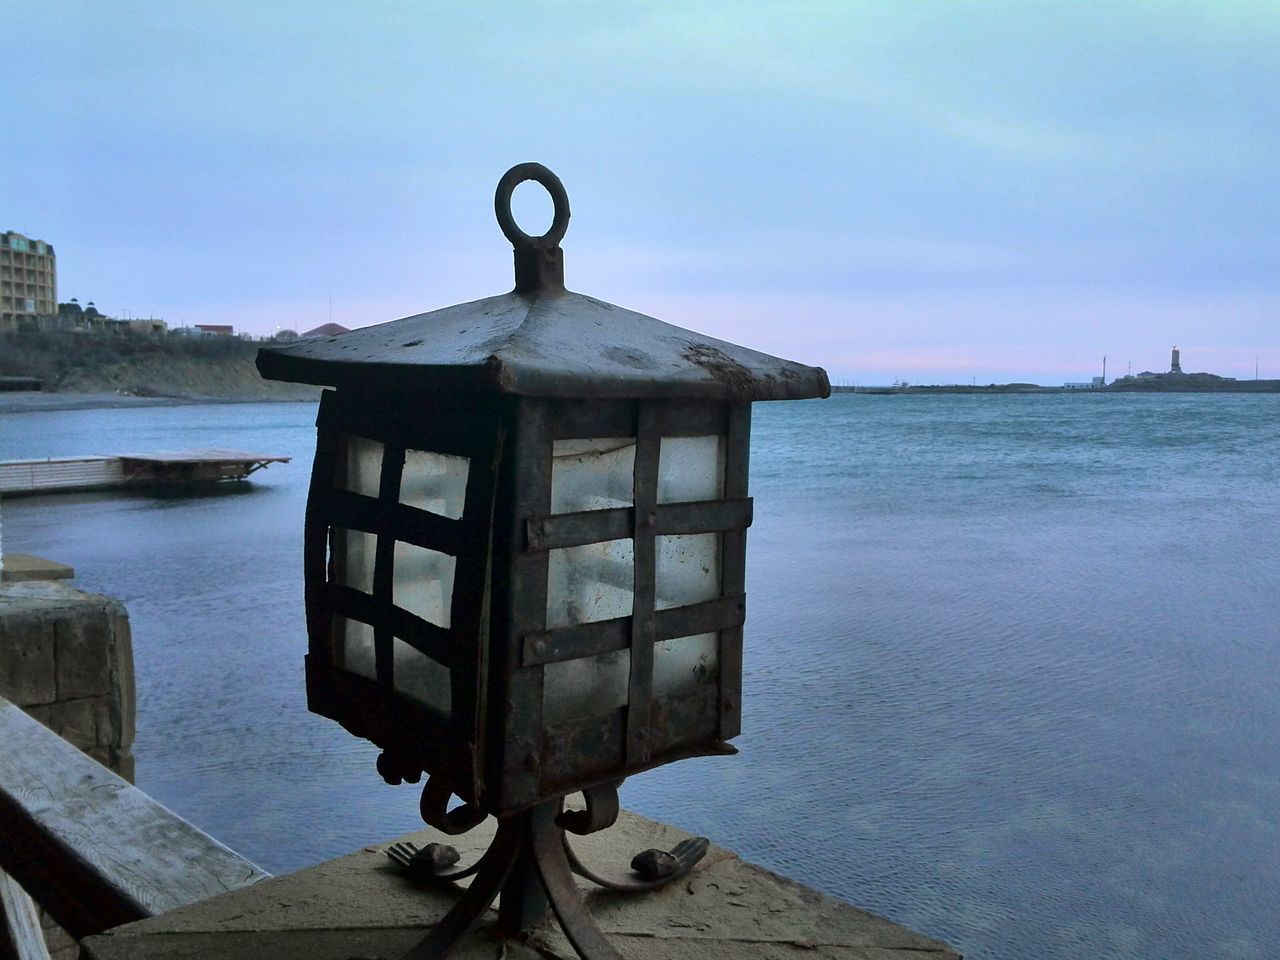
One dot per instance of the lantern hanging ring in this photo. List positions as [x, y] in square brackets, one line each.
[502, 205]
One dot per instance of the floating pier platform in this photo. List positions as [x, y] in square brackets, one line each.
[128, 470]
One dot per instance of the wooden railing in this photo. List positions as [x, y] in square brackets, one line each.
[88, 847]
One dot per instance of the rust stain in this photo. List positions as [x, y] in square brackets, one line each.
[721, 366]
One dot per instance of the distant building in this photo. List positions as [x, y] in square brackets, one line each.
[71, 316]
[214, 329]
[28, 282]
[1176, 376]
[1093, 384]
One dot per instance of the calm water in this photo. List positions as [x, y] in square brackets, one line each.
[1011, 678]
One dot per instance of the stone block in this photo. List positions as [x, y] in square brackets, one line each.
[76, 721]
[125, 717]
[27, 673]
[83, 651]
[123, 765]
[42, 713]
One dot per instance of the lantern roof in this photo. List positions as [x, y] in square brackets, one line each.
[541, 340]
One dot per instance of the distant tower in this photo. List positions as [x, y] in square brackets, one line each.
[1176, 365]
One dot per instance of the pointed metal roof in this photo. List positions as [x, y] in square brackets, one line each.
[541, 340]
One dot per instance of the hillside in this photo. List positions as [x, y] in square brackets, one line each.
[180, 367]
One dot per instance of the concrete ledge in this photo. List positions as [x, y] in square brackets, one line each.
[19, 567]
[361, 906]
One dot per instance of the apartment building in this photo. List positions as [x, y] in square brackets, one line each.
[28, 282]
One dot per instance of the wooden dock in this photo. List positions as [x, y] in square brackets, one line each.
[128, 470]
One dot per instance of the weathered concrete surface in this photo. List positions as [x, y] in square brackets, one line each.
[66, 657]
[18, 567]
[360, 906]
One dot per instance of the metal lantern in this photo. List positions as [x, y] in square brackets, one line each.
[525, 549]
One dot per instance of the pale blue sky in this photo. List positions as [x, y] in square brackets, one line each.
[935, 192]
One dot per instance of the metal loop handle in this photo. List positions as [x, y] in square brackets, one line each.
[502, 205]
[434, 808]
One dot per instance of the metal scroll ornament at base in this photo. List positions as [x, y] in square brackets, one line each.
[530, 865]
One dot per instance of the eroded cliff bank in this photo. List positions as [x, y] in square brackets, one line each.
[80, 366]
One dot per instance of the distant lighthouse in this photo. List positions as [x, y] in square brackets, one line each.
[1175, 366]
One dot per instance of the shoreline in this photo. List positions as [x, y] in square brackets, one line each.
[38, 401]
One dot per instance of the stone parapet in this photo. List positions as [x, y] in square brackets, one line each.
[66, 657]
[362, 906]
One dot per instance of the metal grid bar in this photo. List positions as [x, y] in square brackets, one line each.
[530, 486]
[644, 552]
[733, 569]
[384, 569]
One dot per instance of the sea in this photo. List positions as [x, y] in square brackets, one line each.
[1012, 662]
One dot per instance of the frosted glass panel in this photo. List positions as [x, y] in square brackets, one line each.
[592, 474]
[354, 552]
[688, 569]
[581, 688]
[353, 647]
[681, 664]
[589, 583]
[691, 468]
[362, 470]
[420, 678]
[423, 582]
[435, 482]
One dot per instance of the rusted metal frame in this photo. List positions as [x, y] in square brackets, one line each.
[517, 738]
[420, 527]
[447, 647]
[605, 636]
[562, 892]
[685, 419]
[494, 869]
[315, 550]
[573, 419]
[436, 642]
[403, 727]
[575, 529]
[733, 569]
[644, 553]
[384, 569]
[431, 421]
[690, 718]
[704, 516]
[470, 598]
[434, 808]
[576, 642]
[345, 601]
[601, 808]
[718, 613]
[584, 750]
[683, 857]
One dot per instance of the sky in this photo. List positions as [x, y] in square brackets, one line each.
[933, 192]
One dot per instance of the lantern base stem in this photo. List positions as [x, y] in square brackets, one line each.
[530, 867]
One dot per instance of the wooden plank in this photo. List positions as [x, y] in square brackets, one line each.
[91, 849]
[20, 935]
